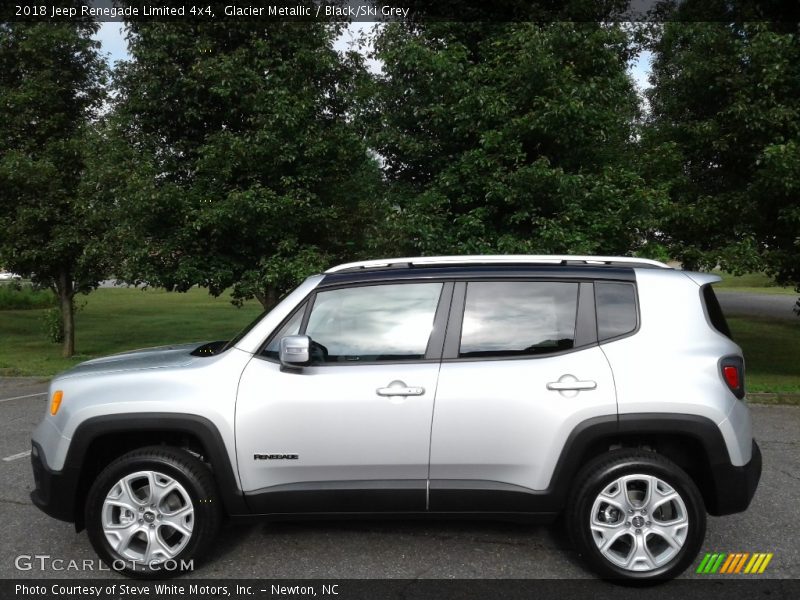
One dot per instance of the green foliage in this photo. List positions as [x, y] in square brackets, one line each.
[53, 325]
[22, 296]
[53, 321]
[654, 251]
[51, 86]
[510, 138]
[243, 166]
[724, 137]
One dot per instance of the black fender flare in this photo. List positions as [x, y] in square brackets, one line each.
[703, 430]
[200, 427]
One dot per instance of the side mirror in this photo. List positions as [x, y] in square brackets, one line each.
[294, 351]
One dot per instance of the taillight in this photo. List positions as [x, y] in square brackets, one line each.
[731, 377]
[733, 373]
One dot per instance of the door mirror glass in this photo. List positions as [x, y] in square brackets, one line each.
[295, 351]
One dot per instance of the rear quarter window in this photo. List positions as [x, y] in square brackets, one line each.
[714, 311]
[616, 309]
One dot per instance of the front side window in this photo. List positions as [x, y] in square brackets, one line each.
[373, 323]
[291, 327]
[518, 318]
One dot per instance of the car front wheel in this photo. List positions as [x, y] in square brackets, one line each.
[152, 511]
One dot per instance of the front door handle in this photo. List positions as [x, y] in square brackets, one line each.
[398, 388]
[564, 385]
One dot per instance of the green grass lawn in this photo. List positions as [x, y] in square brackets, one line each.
[751, 282]
[119, 319]
[771, 347]
[772, 353]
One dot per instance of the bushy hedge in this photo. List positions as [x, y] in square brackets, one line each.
[21, 296]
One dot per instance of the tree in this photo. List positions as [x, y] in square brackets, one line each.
[511, 137]
[725, 135]
[247, 169]
[51, 89]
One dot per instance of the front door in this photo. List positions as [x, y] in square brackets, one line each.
[350, 432]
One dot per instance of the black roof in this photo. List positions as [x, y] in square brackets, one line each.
[447, 272]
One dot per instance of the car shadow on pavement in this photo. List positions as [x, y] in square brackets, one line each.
[397, 548]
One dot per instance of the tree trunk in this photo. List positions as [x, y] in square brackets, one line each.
[268, 298]
[66, 293]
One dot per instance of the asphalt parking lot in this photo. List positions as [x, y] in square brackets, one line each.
[391, 549]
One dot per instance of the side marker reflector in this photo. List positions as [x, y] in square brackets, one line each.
[55, 403]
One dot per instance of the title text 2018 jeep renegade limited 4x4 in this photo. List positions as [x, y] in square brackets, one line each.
[606, 389]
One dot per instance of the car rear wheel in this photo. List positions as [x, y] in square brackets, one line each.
[636, 516]
[151, 512]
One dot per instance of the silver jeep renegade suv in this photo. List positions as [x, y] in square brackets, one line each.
[604, 389]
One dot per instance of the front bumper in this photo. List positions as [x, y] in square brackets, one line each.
[734, 487]
[55, 491]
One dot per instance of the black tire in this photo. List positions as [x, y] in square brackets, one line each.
[169, 463]
[602, 472]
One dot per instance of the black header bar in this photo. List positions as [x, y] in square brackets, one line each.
[414, 11]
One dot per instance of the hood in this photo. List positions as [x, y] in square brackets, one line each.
[148, 358]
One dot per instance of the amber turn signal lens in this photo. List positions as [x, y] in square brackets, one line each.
[55, 403]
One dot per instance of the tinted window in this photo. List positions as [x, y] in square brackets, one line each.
[616, 309]
[714, 310]
[245, 331]
[518, 318]
[291, 327]
[373, 323]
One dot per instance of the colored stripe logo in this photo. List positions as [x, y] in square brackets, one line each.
[734, 563]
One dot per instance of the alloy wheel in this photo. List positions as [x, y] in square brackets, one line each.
[147, 517]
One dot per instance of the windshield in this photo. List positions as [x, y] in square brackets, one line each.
[244, 331]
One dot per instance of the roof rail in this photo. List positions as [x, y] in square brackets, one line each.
[498, 259]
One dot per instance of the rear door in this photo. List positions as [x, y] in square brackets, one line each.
[521, 368]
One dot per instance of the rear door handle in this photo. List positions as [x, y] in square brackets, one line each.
[398, 388]
[562, 386]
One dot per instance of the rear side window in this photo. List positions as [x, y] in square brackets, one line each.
[518, 318]
[616, 309]
[714, 311]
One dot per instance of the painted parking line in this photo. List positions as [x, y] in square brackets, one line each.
[17, 456]
[21, 397]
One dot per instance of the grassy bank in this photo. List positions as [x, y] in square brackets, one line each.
[772, 351]
[751, 282]
[772, 347]
[118, 319]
